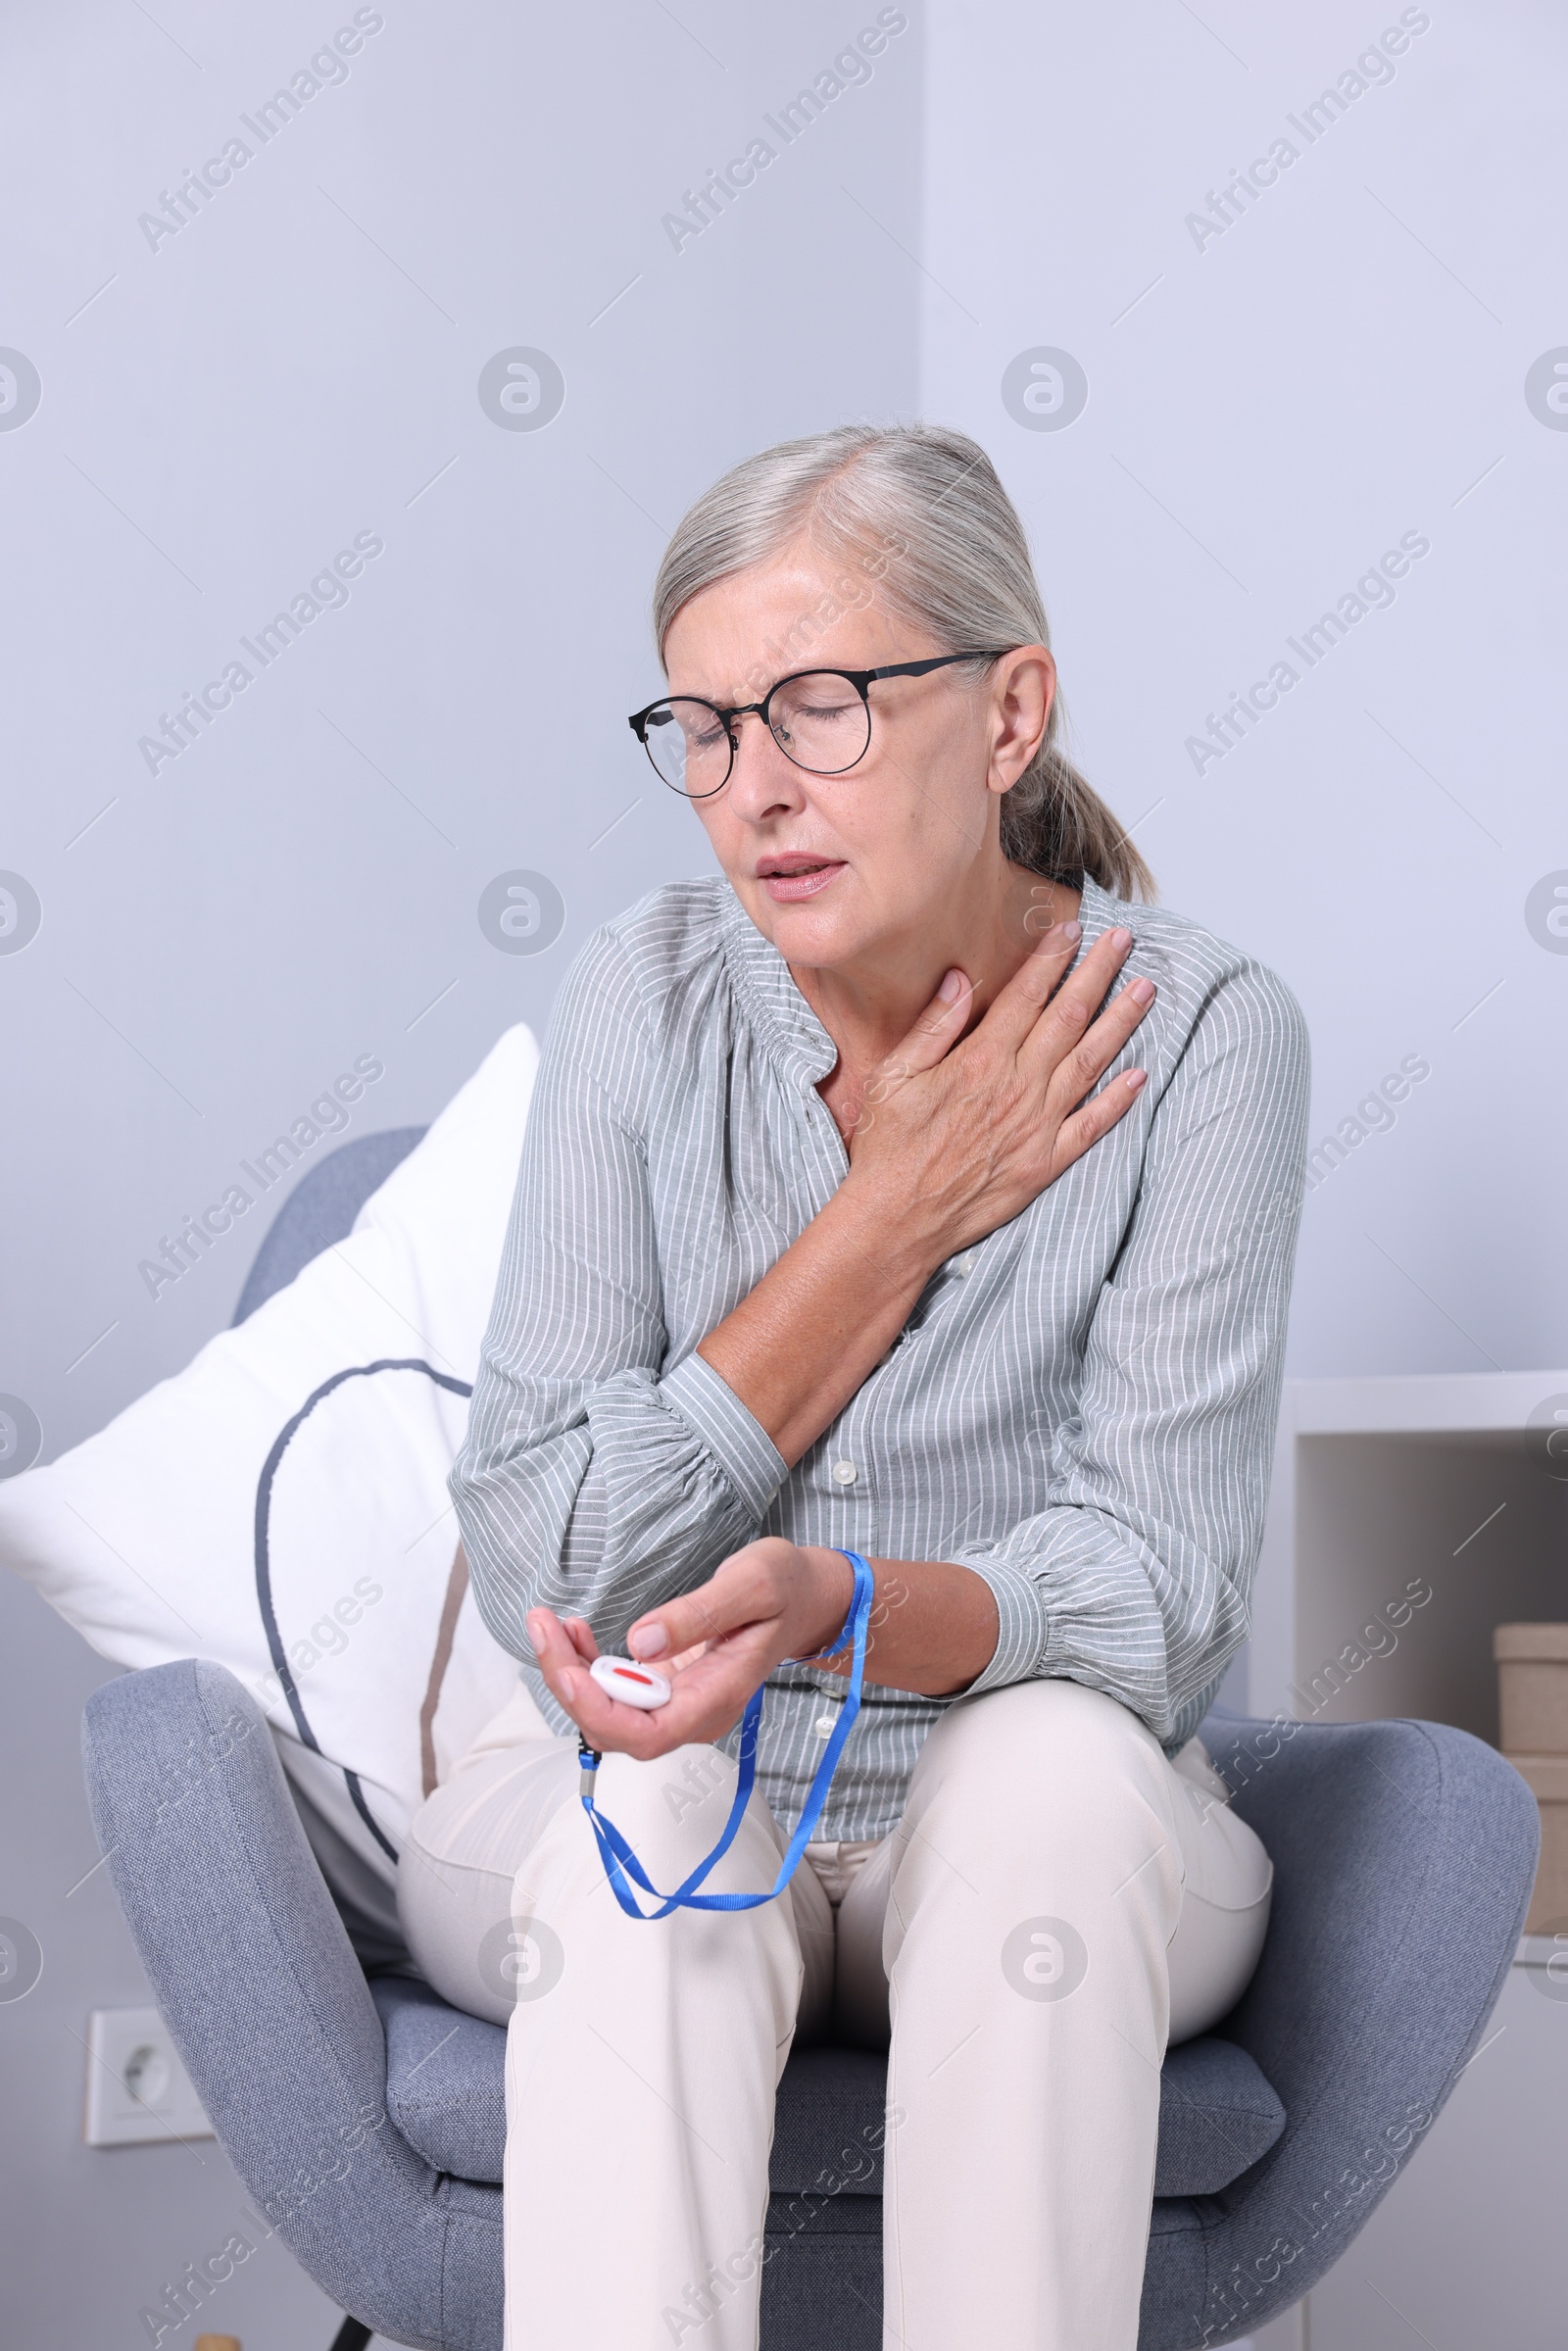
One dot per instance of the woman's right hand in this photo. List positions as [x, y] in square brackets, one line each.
[954, 1136]
[958, 1134]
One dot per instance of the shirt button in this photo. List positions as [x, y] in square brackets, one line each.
[845, 1472]
[966, 1264]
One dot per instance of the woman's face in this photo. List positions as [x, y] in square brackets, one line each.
[838, 868]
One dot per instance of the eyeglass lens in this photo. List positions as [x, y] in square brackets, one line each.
[821, 722]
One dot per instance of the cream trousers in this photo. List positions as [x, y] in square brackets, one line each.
[1057, 1903]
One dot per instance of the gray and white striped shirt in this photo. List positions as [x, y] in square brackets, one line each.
[1081, 1407]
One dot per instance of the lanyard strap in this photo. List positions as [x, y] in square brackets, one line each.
[621, 1862]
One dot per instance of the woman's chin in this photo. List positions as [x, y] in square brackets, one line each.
[814, 925]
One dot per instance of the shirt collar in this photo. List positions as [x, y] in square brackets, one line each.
[794, 1036]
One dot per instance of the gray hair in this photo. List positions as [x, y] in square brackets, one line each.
[918, 511]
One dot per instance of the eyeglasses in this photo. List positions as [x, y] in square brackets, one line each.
[820, 719]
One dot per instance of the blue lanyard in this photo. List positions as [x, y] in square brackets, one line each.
[621, 1862]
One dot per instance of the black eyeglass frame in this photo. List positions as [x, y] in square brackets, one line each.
[860, 679]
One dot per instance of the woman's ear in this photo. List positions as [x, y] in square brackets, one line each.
[1024, 687]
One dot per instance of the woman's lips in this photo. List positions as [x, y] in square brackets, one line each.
[785, 889]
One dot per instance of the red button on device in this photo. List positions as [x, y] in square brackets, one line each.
[630, 1683]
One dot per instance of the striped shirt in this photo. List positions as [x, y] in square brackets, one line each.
[1081, 1407]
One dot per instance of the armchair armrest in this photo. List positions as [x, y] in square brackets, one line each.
[254, 1977]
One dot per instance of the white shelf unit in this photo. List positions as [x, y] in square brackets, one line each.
[1445, 1482]
[1444, 1479]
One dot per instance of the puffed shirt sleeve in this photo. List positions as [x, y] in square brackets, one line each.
[1135, 1577]
[592, 1482]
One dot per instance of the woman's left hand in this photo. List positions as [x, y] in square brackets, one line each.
[768, 1602]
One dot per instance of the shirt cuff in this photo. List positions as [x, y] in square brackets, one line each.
[741, 1445]
[1022, 1628]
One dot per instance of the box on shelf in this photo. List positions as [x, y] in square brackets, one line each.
[1533, 1709]
[1547, 1778]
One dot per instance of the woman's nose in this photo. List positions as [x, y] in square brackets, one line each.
[761, 778]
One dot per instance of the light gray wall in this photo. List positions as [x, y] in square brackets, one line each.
[1270, 408]
[300, 364]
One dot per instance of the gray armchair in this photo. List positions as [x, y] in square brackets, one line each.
[367, 2117]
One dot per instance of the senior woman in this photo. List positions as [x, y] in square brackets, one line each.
[904, 1190]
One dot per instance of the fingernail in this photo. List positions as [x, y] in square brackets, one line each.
[568, 1685]
[1121, 941]
[649, 1640]
[1072, 932]
[1141, 992]
[952, 986]
[537, 1628]
[1137, 1079]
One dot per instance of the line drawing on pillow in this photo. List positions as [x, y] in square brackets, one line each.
[264, 1566]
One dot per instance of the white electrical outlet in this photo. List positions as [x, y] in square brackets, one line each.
[137, 2089]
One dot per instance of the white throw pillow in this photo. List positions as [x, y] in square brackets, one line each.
[280, 1507]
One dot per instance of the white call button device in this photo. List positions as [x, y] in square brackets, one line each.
[633, 1685]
